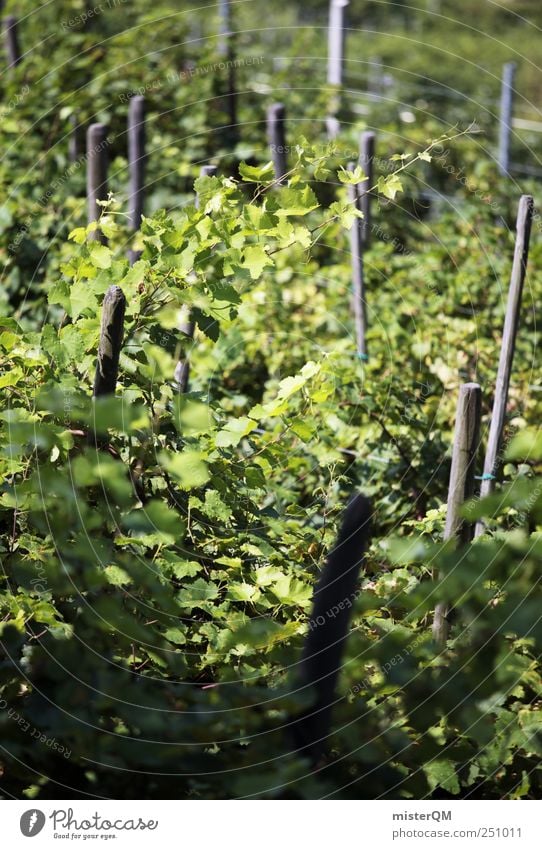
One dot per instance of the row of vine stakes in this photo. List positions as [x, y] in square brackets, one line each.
[467, 426]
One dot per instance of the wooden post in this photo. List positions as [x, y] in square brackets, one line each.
[333, 127]
[182, 369]
[366, 160]
[335, 56]
[505, 119]
[11, 40]
[336, 41]
[136, 162]
[226, 48]
[276, 115]
[136, 158]
[461, 487]
[508, 345]
[224, 14]
[358, 280]
[375, 78]
[77, 140]
[328, 627]
[111, 335]
[96, 174]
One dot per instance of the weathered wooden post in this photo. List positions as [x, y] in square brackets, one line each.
[76, 143]
[328, 627]
[276, 115]
[206, 171]
[366, 161]
[111, 336]
[358, 281]
[136, 163]
[508, 345]
[136, 158]
[505, 118]
[335, 57]
[226, 48]
[11, 40]
[182, 369]
[96, 175]
[461, 486]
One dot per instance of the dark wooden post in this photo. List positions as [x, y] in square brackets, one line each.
[11, 40]
[226, 48]
[111, 336]
[224, 27]
[182, 369]
[96, 174]
[358, 280]
[461, 487]
[136, 163]
[276, 115]
[335, 57]
[328, 628]
[508, 346]
[77, 140]
[505, 118]
[366, 160]
[136, 158]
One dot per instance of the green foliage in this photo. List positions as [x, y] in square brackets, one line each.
[157, 580]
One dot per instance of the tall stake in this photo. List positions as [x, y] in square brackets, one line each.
[182, 369]
[136, 161]
[226, 48]
[366, 161]
[77, 139]
[224, 14]
[505, 119]
[461, 487]
[11, 38]
[276, 115]
[325, 642]
[336, 41]
[358, 279]
[96, 174]
[335, 56]
[111, 335]
[508, 345]
[375, 75]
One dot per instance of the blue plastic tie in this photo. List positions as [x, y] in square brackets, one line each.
[364, 357]
[485, 477]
